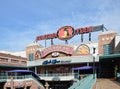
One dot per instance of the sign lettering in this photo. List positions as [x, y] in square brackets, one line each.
[55, 61]
[68, 32]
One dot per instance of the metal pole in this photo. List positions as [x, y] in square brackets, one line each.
[94, 62]
[66, 41]
[35, 70]
[45, 43]
[81, 37]
[52, 42]
[89, 36]
[93, 67]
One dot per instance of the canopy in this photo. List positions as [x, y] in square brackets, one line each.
[24, 71]
[83, 68]
[21, 71]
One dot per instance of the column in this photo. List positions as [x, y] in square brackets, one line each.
[35, 70]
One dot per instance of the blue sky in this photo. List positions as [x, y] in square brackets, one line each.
[22, 20]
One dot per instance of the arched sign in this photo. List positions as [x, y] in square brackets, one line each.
[65, 33]
[54, 50]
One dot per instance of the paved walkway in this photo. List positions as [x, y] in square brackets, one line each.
[107, 84]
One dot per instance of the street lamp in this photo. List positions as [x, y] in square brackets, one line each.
[94, 55]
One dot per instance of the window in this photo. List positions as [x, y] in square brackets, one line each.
[31, 57]
[107, 49]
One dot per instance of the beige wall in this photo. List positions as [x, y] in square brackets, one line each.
[31, 49]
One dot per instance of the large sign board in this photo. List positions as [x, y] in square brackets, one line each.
[67, 32]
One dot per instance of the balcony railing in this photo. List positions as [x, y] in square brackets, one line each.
[48, 76]
[85, 83]
[16, 77]
[55, 74]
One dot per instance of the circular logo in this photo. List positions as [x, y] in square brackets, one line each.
[55, 54]
[65, 33]
[83, 49]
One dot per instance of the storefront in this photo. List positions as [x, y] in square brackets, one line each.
[110, 66]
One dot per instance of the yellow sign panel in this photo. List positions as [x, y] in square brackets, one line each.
[83, 49]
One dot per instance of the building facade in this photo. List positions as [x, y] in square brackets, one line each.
[55, 64]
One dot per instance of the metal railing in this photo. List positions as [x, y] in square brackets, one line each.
[5, 78]
[85, 83]
[55, 74]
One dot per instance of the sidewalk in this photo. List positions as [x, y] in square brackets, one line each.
[107, 84]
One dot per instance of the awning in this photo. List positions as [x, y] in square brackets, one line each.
[20, 71]
[24, 71]
[83, 68]
[110, 56]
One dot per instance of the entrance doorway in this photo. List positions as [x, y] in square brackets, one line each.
[59, 84]
[106, 68]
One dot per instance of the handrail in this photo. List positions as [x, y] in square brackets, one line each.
[85, 83]
[55, 74]
[38, 81]
[16, 77]
[48, 74]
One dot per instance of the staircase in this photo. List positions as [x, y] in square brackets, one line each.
[85, 83]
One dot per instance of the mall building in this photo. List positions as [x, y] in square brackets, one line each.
[59, 65]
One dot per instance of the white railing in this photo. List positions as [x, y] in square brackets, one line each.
[55, 74]
[59, 76]
[85, 83]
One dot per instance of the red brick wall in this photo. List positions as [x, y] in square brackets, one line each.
[103, 39]
[27, 83]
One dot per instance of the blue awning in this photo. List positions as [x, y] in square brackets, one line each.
[83, 68]
[20, 71]
[24, 71]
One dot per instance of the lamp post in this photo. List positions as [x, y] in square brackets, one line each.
[94, 55]
[11, 82]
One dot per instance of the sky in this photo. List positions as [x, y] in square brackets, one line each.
[22, 20]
